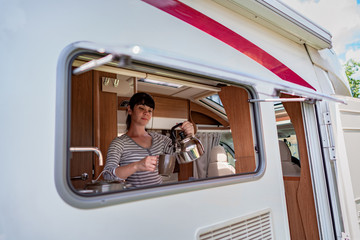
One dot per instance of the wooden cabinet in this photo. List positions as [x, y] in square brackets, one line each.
[81, 126]
[93, 123]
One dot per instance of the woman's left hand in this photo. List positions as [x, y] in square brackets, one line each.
[188, 128]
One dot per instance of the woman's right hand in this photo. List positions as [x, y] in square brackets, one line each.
[148, 163]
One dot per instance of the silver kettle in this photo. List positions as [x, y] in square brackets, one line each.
[188, 149]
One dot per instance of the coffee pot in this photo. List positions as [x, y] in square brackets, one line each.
[187, 149]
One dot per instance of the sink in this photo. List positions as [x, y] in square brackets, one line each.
[105, 186]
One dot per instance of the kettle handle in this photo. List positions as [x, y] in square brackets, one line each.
[172, 133]
[182, 135]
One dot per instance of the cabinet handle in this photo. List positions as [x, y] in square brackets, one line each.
[83, 177]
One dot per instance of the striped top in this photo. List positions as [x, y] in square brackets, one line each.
[124, 150]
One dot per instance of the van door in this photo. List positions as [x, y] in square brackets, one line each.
[346, 125]
[296, 168]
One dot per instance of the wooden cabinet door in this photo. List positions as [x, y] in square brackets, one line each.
[81, 128]
[93, 124]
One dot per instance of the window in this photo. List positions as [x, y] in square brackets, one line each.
[97, 99]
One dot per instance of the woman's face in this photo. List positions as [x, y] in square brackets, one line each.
[141, 114]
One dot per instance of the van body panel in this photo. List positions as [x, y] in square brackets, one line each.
[346, 128]
[34, 46]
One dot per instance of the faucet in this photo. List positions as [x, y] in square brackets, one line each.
[89, 149]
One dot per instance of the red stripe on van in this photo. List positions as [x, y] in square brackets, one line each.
[226, 35]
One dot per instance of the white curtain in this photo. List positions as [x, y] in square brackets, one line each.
[209, 140]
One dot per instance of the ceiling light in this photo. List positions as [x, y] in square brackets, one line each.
[156, 82]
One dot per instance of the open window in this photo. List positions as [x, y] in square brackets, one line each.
[288, 144]
[226, 124]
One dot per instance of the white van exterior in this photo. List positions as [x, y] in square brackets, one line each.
[196, 41]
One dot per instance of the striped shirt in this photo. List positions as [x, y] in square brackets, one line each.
[124, 150]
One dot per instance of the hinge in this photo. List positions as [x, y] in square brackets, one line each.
[332, 153]
[329, 142]
[327, 119]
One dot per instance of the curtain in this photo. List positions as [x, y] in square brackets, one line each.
[209, 140]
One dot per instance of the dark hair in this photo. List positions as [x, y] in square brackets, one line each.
[139, 98]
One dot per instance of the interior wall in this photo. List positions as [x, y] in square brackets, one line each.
[237, 107]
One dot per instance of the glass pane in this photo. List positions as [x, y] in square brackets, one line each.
[100, 109]
[216, 99]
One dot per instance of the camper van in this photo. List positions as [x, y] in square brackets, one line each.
[270, 103]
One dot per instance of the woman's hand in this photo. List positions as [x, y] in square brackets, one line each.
[188, 128]
[148, 163]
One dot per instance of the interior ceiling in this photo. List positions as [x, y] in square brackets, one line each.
[188, 90]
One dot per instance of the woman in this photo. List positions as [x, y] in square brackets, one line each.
[134, 156]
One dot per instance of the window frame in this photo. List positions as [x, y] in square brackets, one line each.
[62, 144]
